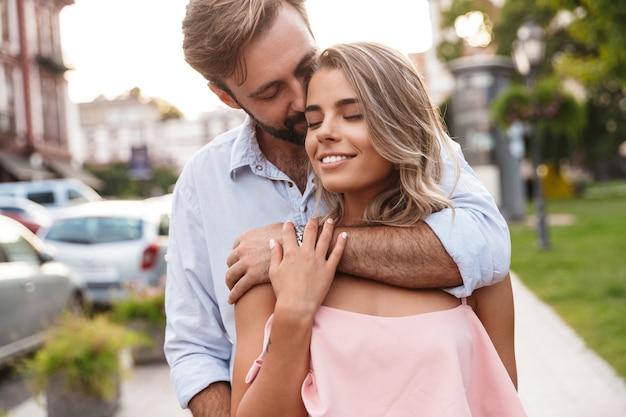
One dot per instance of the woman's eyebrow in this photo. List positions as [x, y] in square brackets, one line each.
[340, 103]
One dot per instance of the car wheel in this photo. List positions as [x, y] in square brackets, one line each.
[76, 305]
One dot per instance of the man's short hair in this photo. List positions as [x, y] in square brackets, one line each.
[215, 32]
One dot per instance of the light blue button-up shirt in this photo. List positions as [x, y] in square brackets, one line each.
[229, 187]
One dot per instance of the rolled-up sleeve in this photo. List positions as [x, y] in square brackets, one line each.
[474, 233]
[197, 347]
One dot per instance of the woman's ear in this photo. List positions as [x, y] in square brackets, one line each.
[223, 96]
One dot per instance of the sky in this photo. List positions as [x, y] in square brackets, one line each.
[113, 46]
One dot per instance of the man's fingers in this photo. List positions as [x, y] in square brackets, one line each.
[233, 274]
[232, 259]
[235, 293]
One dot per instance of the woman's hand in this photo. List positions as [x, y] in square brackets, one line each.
[302, 275]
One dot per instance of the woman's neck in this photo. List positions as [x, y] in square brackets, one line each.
[354, 210]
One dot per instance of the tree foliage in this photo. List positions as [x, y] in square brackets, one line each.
[584, 43]
[118, 183]
[452, 47]
[166, 109]
[559, 118]
[597, 27]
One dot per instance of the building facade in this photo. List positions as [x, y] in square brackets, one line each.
[111, 130]
[34, 139]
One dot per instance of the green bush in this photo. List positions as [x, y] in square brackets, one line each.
[84, 354]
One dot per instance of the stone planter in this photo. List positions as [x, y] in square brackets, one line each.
[153, 352]
[63, 403]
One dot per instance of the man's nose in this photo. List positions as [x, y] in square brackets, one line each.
[298, 101]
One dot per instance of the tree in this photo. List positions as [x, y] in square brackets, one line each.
[166, 109]
[559, 118]
[584, 43]
[596, 58]
[118, 184]
[597, 27]
[452, 46]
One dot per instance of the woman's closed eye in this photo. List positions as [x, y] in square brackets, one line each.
[356, 116]
[312, 124]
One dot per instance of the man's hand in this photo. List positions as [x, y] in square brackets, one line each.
[249, 261]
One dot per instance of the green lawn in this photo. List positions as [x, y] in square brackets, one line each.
[583, 275]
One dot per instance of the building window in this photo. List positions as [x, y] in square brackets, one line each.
[51, 113]
[7, 111]
[4, 20]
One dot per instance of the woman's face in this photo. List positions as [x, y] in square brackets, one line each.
[338, 140]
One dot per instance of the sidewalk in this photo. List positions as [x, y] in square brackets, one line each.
[558, 375]
[147, 392]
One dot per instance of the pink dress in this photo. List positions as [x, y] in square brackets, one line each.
[439, 364]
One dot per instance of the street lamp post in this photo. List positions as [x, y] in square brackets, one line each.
[528, 54]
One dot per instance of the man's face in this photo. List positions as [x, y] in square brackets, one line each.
[277, 64]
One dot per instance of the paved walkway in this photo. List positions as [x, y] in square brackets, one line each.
[558, 375]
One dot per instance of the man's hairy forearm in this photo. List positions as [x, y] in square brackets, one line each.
[407, 257]
[213, 401]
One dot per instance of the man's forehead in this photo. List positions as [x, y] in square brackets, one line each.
[276, 53]
[254, 78]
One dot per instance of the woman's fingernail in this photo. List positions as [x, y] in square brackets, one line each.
[329, 221]
[273, 243]
[344, 235]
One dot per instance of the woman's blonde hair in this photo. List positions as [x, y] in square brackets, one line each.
[215, 32]
[405, 128]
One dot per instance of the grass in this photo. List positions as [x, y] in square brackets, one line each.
[583, 275]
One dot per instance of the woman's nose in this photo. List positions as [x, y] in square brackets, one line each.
[326, 131]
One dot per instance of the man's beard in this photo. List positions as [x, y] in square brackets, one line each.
[289, 133]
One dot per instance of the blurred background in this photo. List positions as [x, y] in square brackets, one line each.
[97, 103]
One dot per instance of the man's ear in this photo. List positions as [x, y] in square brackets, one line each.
[223, 96]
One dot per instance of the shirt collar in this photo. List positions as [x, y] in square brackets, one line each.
[246, 150]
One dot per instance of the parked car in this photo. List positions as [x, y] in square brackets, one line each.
[30, 214]
[51, 193]
[112, 245]
[35, 290]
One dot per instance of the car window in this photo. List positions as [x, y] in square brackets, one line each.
[41, 197]
[164, 225]
[12, 210]
[17, 249]
[96, 230]
[75, 195]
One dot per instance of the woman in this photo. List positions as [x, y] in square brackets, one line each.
[337, 345]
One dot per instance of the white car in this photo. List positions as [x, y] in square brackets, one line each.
[112, 245]
[51, 194]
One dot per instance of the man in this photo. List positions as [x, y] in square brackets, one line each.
[256, 55]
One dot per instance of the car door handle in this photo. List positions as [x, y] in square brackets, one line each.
[29, 286]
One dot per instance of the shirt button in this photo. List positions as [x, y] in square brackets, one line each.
[290, 184]
[259, 168]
